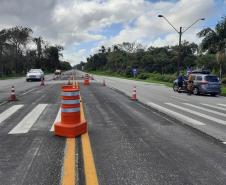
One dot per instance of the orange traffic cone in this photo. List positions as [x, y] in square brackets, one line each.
[86, 80]
[42, 82]
[104, 84]
[13, 95]
[134, 94]
[72, 123]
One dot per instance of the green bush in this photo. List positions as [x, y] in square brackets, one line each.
[223, 81]
[164, 78]
[143, 76]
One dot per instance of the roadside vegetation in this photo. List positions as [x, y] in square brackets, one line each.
[19, 52]
[160, 64]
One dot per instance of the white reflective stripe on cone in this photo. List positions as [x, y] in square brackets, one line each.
[70, 109]
[75, 93]
[69, 102]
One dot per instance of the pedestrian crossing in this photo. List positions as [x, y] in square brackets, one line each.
[31, 116]
[198, 114]
[25, 124]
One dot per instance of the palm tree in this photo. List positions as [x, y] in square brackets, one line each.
[214, 41]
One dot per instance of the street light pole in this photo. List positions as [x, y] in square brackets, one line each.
[180, 32]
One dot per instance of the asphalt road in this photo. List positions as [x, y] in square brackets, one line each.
[135, 144]
[35, 156]
[131, 143]
[205, 113]
[20, 84]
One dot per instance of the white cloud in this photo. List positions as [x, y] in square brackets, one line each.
[73, 22]
[75, 57]
[149, 27]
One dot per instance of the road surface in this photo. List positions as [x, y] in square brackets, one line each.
[131, 143]
[20, 84]
[205, 113]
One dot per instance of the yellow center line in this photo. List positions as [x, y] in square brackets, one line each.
[89, 165]
[68, 177]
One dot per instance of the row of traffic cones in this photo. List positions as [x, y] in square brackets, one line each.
[13, 93]
[134, 93]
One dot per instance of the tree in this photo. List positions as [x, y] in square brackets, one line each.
[38, 41]
[52, 54]
[214, 41]
[19, 36]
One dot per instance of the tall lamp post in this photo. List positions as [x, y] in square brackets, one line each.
[180, 32]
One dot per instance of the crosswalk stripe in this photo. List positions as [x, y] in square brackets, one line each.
[224, 105]
[205, 109]
[215, 107]
[7, 113]
[58, 117]
[176, 115]
[24, 125]
[198, 114]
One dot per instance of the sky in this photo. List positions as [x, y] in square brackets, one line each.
[83, 26]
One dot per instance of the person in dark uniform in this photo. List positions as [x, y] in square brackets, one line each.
[180, 80]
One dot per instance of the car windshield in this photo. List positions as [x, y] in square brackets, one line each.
[212, 79]
[34, 71]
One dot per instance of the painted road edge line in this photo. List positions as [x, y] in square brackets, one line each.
[57, 119]
[89, 165]
[176, 115]
[68, 176]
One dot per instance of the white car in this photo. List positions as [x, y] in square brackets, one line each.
[35, 74]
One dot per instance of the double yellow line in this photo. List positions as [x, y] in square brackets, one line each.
[69, 171]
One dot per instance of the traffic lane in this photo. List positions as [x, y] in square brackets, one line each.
[134, 144]
[203, 110]
[20, 84]
[34, 157]
[156, 91]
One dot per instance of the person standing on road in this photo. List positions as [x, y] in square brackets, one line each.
[190, 84]
[180, 81]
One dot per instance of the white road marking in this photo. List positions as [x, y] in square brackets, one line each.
[29, 91]
[176, 115]
[24, 125]
[58, 118]
[179, 98]
[7, 113]
[224, 105]
[224, 142]
[198, 114]
[215, 107]
[207, 110]
[3, 103]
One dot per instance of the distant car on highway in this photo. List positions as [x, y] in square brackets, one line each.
[57, 72]
[204, 83]
[35, 74]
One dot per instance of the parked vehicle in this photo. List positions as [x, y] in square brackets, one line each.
[204, 83]
[184, 86]
[35, 74]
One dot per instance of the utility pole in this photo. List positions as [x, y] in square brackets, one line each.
[180, 32]
[179, 55]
